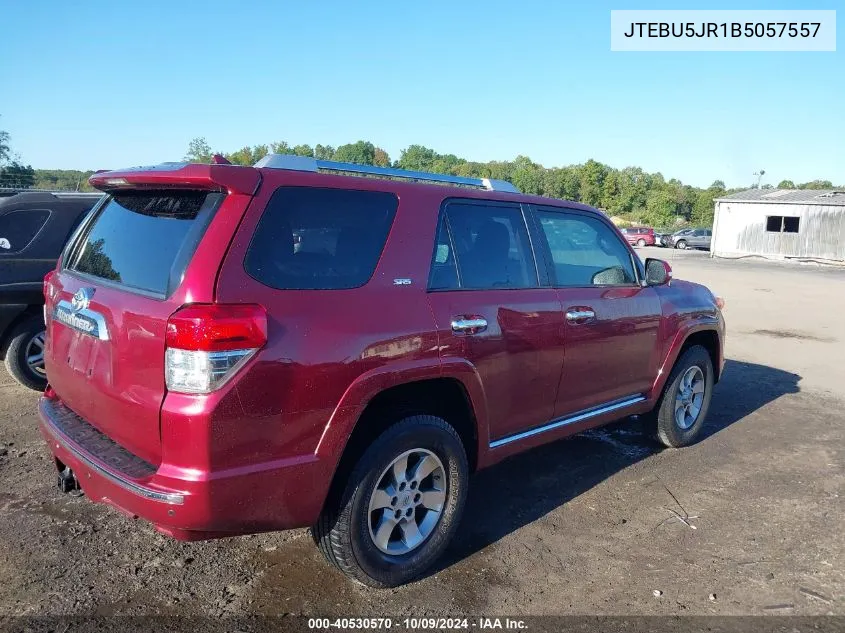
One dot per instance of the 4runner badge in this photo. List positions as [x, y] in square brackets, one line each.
[76, 315]
[82, 299]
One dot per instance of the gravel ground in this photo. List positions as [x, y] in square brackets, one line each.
[747, 521]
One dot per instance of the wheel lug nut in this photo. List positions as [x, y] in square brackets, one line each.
[417, 497]
[398, 514]
[394, 501]
[409, 511]
[402, 486]
[413, 485]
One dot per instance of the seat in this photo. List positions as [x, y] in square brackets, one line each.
[487, 264]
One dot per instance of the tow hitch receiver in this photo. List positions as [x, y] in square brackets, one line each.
[68, 481]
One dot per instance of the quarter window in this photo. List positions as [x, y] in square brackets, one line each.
[329, 239]
[585, 251]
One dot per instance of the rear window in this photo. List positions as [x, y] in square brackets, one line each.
[144, 239]
[326, 239]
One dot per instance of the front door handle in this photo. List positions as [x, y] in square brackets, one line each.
[580, 315]
[468, 325]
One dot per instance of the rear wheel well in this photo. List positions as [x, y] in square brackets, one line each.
[709, 340]
[442, 397]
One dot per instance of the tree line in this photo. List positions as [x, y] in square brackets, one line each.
[629, 195]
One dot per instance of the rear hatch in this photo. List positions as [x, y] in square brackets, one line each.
[139, 257]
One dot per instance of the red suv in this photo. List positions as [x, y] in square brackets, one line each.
[640, 235]
[243, 349]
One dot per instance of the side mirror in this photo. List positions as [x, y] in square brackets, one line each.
[657, 272]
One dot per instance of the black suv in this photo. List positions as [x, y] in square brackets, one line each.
[34, 227]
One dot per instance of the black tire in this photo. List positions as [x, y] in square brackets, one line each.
[661, 422]
[343, 532]
[682, 244]
[16, 352]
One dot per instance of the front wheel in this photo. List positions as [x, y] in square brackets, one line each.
[400, 506]
[640, 242]
[679, 416]
[681, 244]
[25, 353]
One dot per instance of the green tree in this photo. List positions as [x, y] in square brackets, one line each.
[703, 209]
[360, 153]
[660, 208]
[4, 146]
[561, 183]
[527, 176]
[17, 176]
[592, 175]
[281, 148]
[62, 180]
[303, 150]
[323, 152]
[718, 184]
[786, 184]
[416, 158]
[199, 151]
[817, 184]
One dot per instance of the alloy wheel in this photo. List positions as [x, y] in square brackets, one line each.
[689, 398]
[407, 502]
[35, 355]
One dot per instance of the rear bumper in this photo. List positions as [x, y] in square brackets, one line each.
[187, 504]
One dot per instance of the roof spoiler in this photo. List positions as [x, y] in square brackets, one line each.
[230, 178]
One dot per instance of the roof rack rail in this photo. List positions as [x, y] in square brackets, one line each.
[307, 163]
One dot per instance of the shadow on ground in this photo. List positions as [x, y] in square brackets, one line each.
[526, 487]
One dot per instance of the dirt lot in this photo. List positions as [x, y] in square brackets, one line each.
[587, 525]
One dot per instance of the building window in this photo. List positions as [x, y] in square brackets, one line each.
[782, 224]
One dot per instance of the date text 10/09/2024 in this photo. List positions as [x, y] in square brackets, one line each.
[415, 624]
[724, 29]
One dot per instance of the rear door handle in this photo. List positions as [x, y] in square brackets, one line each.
[468, 325]
[580, 315]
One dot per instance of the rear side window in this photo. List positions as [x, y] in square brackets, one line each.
[482, 247]
[19, 228]
[320, 239]
[144, 239]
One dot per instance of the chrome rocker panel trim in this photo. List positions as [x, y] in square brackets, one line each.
[569, 419]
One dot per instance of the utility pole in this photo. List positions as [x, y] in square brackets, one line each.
[759, 175]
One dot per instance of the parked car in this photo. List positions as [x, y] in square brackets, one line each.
[639, 235]
[661, 237]
[693, 238]
[237, 349]
[34, 227]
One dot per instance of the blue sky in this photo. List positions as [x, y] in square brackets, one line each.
[94, 85]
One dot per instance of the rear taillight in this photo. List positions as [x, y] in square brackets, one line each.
[48, 285]
[208, 344]
[49, 290]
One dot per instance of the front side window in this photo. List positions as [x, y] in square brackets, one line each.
[490, 247]
[585, 251]
[320, 239]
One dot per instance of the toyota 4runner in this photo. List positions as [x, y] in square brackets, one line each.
[309, 343]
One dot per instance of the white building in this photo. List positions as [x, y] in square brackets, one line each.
[781, 223]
